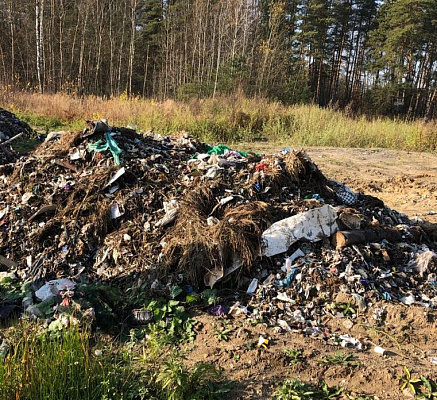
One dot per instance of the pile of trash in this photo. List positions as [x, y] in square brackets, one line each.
[111, 204]
[11, 127]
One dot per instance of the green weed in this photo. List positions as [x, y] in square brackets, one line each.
[339, 359]
[222, 333]
[177, 382]
[407, 382]
[294, 356]
[174, 320]
[422, 387]
[210, 297]
[297, 390]
[345, 308]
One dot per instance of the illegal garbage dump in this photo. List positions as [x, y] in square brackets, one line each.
[110, 204]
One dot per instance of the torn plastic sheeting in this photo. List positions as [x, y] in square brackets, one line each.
[212, 276]
[408, 300]
[51, 288]
[213, 172]
[313, 225]
[170, 205]
[117, 175]
[168, 218]
[110, 145]
[252, 287]
[289, 260]
[359, 301]
[422, 260]
[115, 211]
[348, 341]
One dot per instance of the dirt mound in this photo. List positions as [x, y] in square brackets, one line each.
[10, 127]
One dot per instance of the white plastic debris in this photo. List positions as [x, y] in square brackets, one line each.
[252, 287]
[26, 197]
[117, 175]
[77, 154]
[226, 200]
[422, 260]
[213, 172]
[51, 288]
[211, 221]
[313, 225]
[408, 300]
[349, 341]
[289, 260]
[171, 209]
[262, 342]
[170, 205]
[282, 296]
[284, 325]
[298, 317]
[359, 301]
[379, 350]
[115, 211]
[237, 309]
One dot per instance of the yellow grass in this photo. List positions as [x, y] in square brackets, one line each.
[230, 119]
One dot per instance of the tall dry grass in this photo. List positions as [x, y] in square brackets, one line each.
[225, 119]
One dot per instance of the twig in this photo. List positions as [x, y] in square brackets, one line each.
[12, 139]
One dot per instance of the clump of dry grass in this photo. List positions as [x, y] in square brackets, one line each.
[239, 231]
[294, 170]
[195, 248]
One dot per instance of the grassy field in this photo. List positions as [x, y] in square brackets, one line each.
[229, 120]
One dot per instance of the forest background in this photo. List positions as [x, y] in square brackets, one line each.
[363, 56]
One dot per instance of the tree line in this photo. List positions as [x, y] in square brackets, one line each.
[368, 56]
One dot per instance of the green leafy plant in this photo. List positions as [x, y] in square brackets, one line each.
[10, 289]
[297, 390]
[422, 388]
[339, 359]
[294, 356]
[408, 382]
[345, 308]
[175, 291]
[172, 317]
[430, 387]
[222, 332]
[210, 297]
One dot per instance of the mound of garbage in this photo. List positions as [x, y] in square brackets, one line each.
[114, 205]
[10, 128]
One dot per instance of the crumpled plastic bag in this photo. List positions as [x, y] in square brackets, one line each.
[345, 194]
[110, 145]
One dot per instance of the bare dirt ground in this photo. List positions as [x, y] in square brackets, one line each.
[406, 182]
